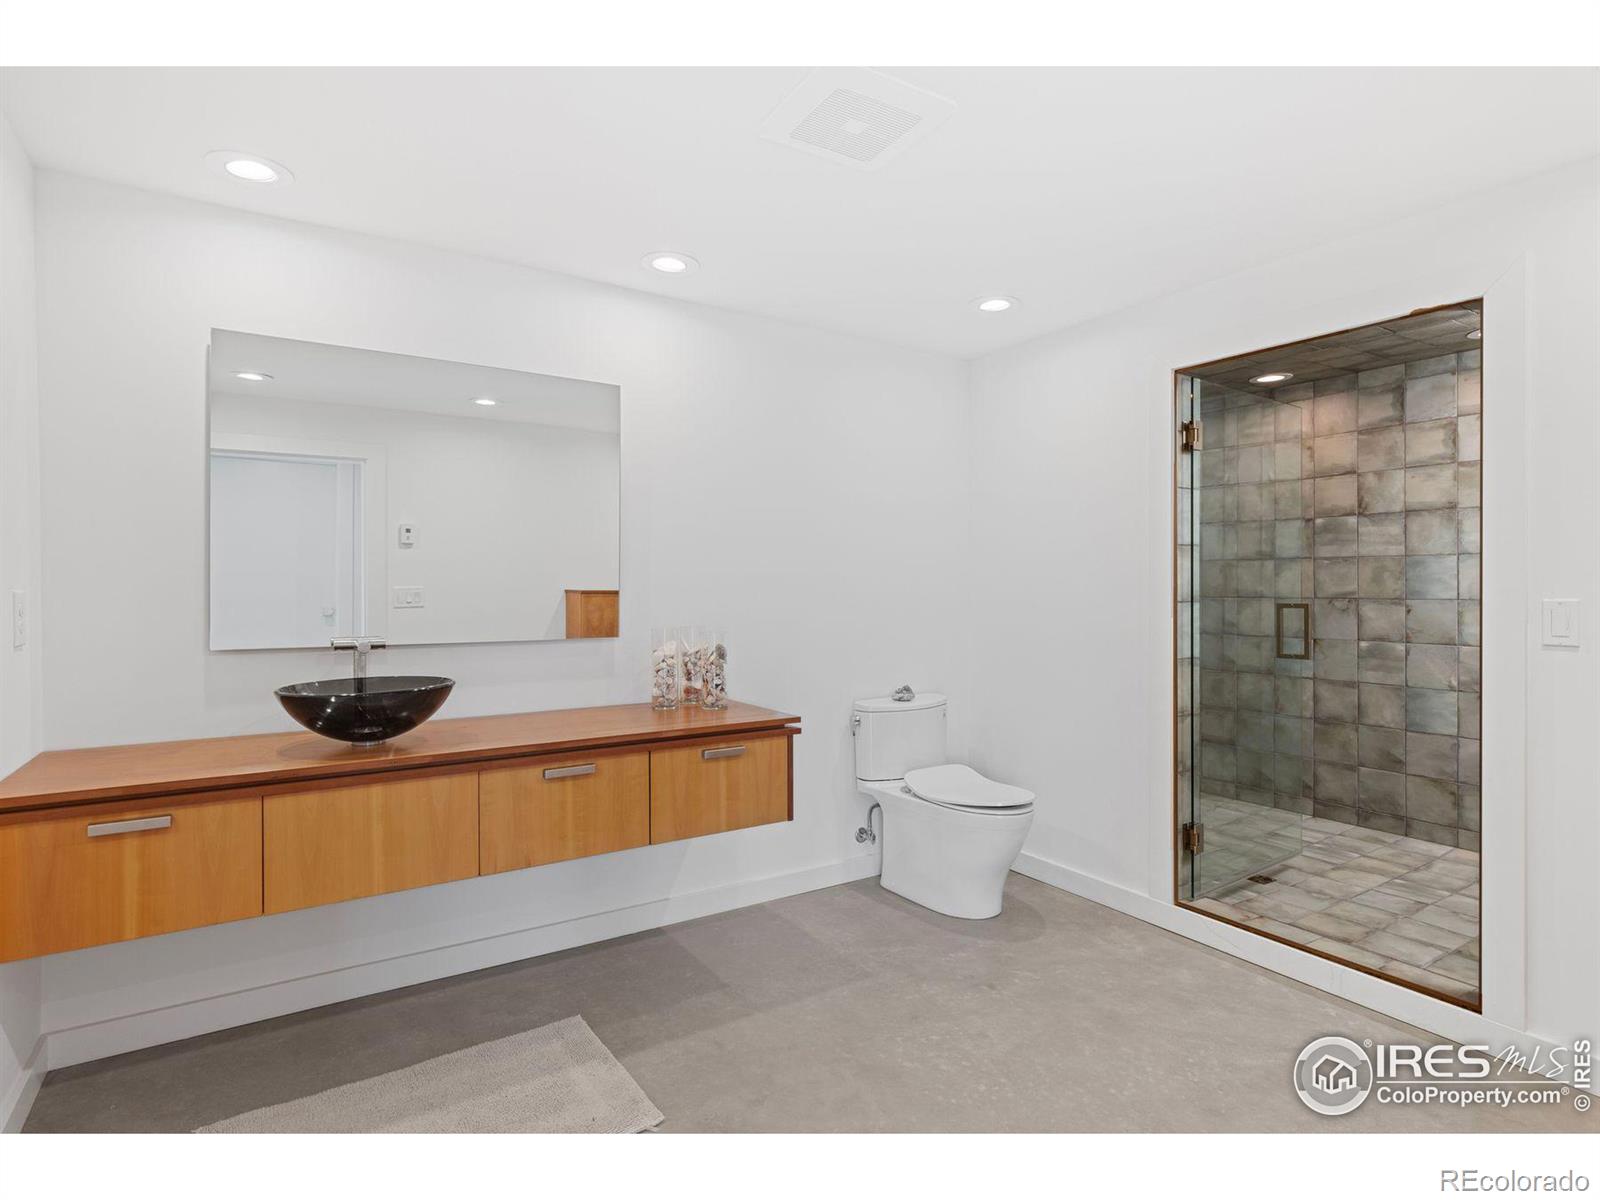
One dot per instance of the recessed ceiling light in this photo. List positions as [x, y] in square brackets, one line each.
[485, 401]
[995, 303]
[1273, 377]
[1475, 334]
[670, 262]
[248, 168]
[252, 376]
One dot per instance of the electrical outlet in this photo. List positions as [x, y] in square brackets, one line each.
[408, 597]
[19, 619]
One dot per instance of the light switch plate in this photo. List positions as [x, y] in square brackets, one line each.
[408, 597]
[19, 619]
[408, 534]
[1560, 623]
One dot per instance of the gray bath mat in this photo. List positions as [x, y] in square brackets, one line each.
[556, 1079]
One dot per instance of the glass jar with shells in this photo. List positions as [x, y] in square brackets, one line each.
[693, 663]
[666, 668]
[714, 669]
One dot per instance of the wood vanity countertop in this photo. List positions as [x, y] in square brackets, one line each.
[64, 777]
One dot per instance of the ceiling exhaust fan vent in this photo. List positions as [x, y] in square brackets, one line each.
[855, 116]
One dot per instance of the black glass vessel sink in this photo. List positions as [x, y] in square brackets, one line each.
[365, 711]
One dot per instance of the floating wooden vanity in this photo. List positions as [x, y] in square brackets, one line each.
[119, 842]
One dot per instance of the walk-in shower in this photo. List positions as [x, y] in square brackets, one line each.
[1328, 501]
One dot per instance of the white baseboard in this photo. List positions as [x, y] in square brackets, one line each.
[135, 1031]
[1392, 1000]
[15, 1105]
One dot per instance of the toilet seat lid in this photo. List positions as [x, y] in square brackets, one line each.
[959, 786]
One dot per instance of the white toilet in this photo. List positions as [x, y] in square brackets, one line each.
[949, 835]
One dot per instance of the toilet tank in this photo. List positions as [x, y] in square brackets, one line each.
[896, 736]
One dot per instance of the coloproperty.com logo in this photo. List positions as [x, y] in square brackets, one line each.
[1335, 1075]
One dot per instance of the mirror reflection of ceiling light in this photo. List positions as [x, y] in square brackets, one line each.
[252, 376]
[670, 262]
[248, 168]
[1273, 377]
[1475, 335]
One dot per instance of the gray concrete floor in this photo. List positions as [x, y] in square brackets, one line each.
[846, 1009]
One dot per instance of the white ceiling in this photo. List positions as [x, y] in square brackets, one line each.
[1079, 191]
[322, 374]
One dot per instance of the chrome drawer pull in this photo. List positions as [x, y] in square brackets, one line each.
[723, 752]
[569, 772]
[107, 828]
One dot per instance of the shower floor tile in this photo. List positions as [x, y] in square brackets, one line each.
[1241, 836]
[1398, 905]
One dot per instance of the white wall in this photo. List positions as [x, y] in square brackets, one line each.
[823, 531]
[20, 692]
[509, 514]
[1071, 484]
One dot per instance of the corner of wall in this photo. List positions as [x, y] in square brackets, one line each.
[22, 1044]
[21, 693]
[21, 696]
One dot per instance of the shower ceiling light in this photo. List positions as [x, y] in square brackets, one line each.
[252, 376]
[485, 401]
[1273, 377]
[993, 304]
[248, 168]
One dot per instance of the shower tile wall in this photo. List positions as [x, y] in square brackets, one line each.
[1359, 496]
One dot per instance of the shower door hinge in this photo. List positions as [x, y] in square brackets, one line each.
[1194, 837]
[1189, 433]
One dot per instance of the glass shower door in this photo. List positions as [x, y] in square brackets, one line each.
[1245, 582]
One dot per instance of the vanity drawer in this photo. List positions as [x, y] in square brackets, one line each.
[710, 787]
[552, 809]
[320, 847]
[111, 873]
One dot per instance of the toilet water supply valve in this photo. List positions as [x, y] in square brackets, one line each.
[903, 695]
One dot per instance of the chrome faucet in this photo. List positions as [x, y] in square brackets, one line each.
[361, 645]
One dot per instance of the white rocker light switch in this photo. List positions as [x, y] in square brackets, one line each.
[1560, 623]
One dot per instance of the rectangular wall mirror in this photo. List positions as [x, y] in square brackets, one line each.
[358, 493]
